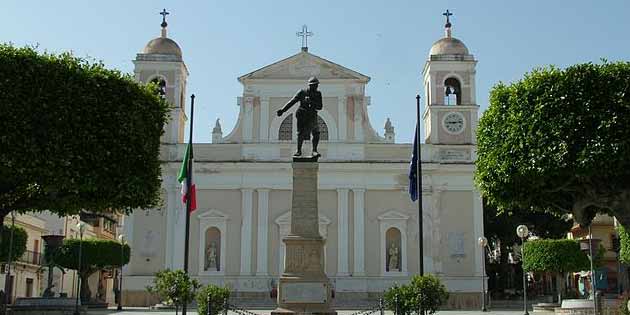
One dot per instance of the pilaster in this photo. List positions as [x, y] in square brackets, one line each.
[359, 104]
[264, 119]
[128, 221]
[246, 231]
[478, 229]
[342, 231]
[263, 226]
[248, 118]
[343, 118]
[359, 232]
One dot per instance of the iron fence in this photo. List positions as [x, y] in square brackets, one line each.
[31, 257]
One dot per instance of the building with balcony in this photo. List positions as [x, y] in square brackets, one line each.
[26, 278]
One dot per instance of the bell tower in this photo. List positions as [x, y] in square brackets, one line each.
[448, 76]
[161, 62]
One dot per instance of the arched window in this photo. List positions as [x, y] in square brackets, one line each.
[286, 131]
[452, 92]
[393, 246]
[323, 129]
[161, 83]
[212, 260]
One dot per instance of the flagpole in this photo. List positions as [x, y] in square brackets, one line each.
[419, 185]
[189, 167]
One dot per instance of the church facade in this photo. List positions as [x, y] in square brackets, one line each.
[243, 181]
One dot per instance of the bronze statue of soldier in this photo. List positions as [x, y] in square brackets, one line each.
[310, 102]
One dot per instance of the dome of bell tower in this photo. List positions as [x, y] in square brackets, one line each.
[163, 45]
[448, 45]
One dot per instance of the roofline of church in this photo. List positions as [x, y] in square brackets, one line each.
[362, 77]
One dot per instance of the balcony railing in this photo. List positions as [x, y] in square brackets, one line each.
[30, 257]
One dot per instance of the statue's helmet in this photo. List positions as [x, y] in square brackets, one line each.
[313, 81]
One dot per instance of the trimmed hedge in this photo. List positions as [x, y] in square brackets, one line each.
[19, 243]
[96, 254]
[558, 141]
[76, 136]
[554, 256]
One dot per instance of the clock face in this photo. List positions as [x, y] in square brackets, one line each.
[453, 123]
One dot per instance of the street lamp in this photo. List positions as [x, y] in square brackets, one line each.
[81, 228]
[8, 284]
[593, 278]
[522, 231]
[121, 238]
[483, 242]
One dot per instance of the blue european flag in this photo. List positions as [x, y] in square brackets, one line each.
[413, 169]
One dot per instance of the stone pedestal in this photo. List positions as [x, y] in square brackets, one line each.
[304, 288]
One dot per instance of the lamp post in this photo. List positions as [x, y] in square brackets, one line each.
[81, 228]
[8, 284]
[593, 278]
[483, 242]
[522, 231]
[121, 238]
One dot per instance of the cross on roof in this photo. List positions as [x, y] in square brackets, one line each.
[164, 13]
[447, 14]
[304, 34]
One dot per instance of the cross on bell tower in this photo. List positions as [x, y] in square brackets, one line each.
[447, 14]
[164, 13]
[447, 26]
[304, 34]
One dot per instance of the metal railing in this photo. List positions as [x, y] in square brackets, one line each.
[31, 257]
[227, 306]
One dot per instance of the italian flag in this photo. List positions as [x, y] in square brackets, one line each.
[182, 178]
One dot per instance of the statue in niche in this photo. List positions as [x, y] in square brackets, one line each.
[211, 257]
[393, 257]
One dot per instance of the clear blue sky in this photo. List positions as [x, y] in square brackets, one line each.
[386, 40]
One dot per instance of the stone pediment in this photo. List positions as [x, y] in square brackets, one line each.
[211, 215]
[302, 66]
[393, 215]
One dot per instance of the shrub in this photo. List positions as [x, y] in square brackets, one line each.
[624, 245]
[425, 291]
[623, 305]
[174, 287]
[217, 294]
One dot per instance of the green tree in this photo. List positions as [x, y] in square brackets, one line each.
[96, 254]
[422, 291]
[558, 141]
[217, 296]
[75, 135]
[174, 287]
[555, 256]
[19, 243]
